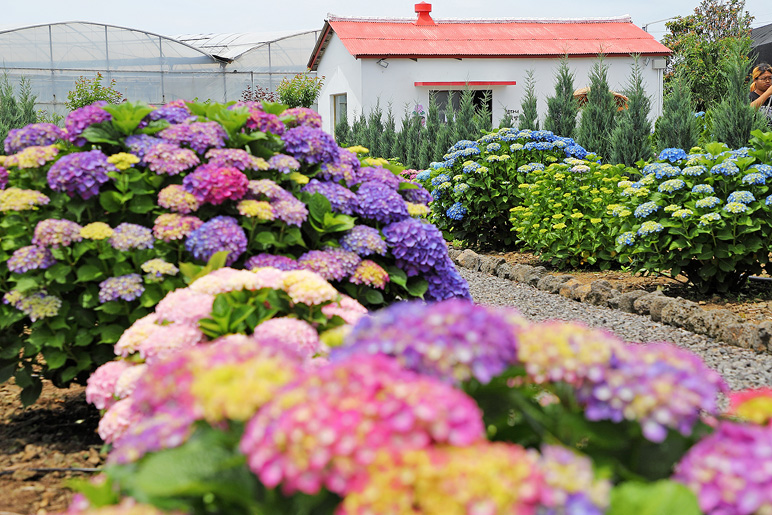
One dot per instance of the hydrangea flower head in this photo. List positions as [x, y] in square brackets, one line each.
[626, 238]
[279, 262]
[78, 120]
[671, 186]
[705, 189]
[743, 197]
[127, 287]
[754, 178]
[342, 199]
[123, 160]
[169, 159]
[283, 163]
[752, 405]
[231, 158]
[645, 209]
[456, 212]
[385, 407]
[707, 218]
[184, 306]
[178, 199]
[53, 233]
[376, 201]
[331, 264]
[370, 273]
[157, 268]
[727, 168]
[173, 226]
[379, 174]
[707, 202]
[735, 208]
[363, 240]
[649, 227]
[96, 231]
[672, 154]
[221, 233]
[29, 258]
[418, 247]
[199, 136]
[80, 173]
[100, 387]
[16, 199]
[33, 135]
[36, 306]
[311, 145]
[131, 236]
[296, 116]
[213, 184]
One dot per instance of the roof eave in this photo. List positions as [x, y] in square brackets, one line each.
[508, 56]
[321, 46]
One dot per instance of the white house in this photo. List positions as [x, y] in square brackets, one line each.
[397, 62]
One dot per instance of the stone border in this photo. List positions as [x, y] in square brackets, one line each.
[720, 324]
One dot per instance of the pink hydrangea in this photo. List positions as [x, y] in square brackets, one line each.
[117, 419]
[214, 184]
[347, 308]
[292, 331]
[100, 387]
[167, 339]
[184, 306]
[128, 380]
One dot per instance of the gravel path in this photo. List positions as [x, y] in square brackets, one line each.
[742, 368]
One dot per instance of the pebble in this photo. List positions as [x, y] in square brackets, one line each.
[741, 368]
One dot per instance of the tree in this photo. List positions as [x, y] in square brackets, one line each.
[374, 130]
[359, 130]
[426, 155]
[507, 120]
[465, 120]
[630, 138]
[389, 134]
[677, 127]
[563, 107]
[599, 113]
[300, 91]
[734, 118]
[399, 150]
[15, 112]
[446, 136]
[88, 91]
[530, 117]
[482, 115]
[701, 45]
[342, 130]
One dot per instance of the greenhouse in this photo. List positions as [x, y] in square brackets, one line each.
[149, 67]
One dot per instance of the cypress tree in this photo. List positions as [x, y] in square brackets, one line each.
[530, 117]
[358, 126]
[677, 127]
[428, 139]
[507, 120]
[413, 142]
[630, 138]
[400, 143]
[599, 113]
[389, 134]
[563, 107]
[734, 118]
[375, 130]
[343, 131]
[482, 115]
[465, 128]
[446, 136]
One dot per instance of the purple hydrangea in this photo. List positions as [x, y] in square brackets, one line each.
[53, 232]
[78, 120]
[140, 144]
[364, 241]
[221, 233]
[280, 262]
[311, 145]
[31, 257]
[170, 113]
[731, 470]
[3, 178]
[127, 287]
[131, 236]
[169, 159]
[80, 173]
[297, 116]
[283, 163]
[418, 247]
[199, 136]
[265, 122]
[347, 169]
[379, 174]
[331, 264]
[35, 134]
[453, 340]
[342, 199]
[285, 206]
[376, 201]
[232, 157]
[444, 282]
[213, 184]
[419, 195]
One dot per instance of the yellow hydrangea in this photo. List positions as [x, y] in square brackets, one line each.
[358, 149]
[123, 160]
[96, 231]
[258, 209]
[298, 178]
[417, 209]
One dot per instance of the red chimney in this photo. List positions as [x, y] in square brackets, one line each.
[424, 18]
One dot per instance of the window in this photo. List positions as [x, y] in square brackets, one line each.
[480, 96]
[339, 107]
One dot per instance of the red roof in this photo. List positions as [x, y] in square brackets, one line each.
[377, 38]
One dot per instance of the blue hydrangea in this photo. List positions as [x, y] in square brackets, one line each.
[646, 209]
[699, 114]
[727, 168]
[649, 227]
[694, 171]
[462, 144]
[539, 145]
[735, 208]
[754, 178]
[706, 219]
[626, 238]
[707, 202]
[743, 197]
[768, 202]
[443, 177]
[461, 187]
[763, 169]
[740, 152]
[424, 174]
[493, 147]
[436, 193]
[653, 168]
[543, 135]
[488, 138]
[515, 147]
[672, 154]
[471, 167]
[576, 151]
[703, 188]
[456, 212]
[682, 213]
[671, 186]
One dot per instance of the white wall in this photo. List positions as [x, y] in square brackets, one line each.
[366, 82]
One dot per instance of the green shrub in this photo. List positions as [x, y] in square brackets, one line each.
[599, 113]
[563, 215]
[563, 107]
[97, 229]
[630, 138]
[343, 131]
[16, 112]
[529, 119]
[677, 127]
[87, 91]
[301, 90]
[706, 216]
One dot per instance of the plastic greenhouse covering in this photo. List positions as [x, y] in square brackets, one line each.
[149, 67]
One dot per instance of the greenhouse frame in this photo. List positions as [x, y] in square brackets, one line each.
[149, 67]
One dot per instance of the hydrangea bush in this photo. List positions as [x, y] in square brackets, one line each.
[478, 182]
[563, 216]
[102, 219]
[424, 408]
[705, 215]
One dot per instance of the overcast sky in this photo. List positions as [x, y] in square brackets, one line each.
[173, 17]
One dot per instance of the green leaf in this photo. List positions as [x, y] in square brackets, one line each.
[374, 297]
[151, 296]
[417, 287]
[111, 201]
[190, 271]
[264, 239]
[274, 107]
[318, 206]
[55, 358]
[111, 333]
[96, 134]
[141, 205]
[31, 393]
[127, 116]
[89, 273]
[656, 498]
[6, 371]
[24, 284]
[397, 276]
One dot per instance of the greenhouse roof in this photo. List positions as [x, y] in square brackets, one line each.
[231, 46]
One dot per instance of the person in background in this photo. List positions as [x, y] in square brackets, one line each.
[761, 93]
